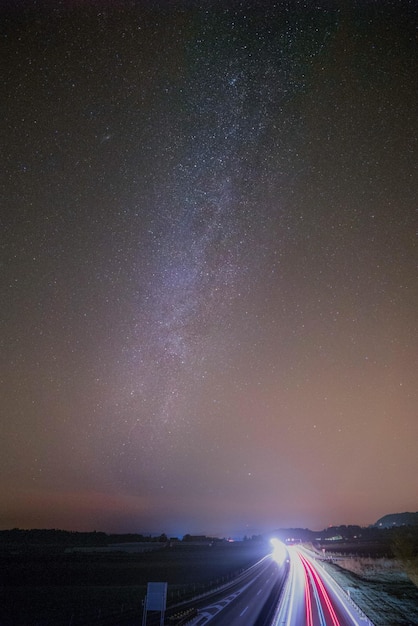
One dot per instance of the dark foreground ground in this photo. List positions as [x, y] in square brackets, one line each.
[50, 587]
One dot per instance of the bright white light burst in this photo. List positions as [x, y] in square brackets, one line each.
[279, 553]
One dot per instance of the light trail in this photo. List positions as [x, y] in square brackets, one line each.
[309, 615]
[320, 587]
[312, 598]
[318, 605]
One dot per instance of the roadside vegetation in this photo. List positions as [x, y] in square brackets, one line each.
[405, 550]
[381, 577]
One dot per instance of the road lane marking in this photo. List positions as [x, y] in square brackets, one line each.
[241, 614]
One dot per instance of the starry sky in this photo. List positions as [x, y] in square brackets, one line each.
[209, 264]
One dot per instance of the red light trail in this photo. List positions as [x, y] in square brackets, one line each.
[323, 598]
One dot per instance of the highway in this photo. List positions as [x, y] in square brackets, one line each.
[312, 598]
[251, 601]
[292, 591]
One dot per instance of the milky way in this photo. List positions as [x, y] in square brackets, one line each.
[210, 265]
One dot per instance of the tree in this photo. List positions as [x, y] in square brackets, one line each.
[405, 549]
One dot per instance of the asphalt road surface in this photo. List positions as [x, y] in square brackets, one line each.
[251, 600]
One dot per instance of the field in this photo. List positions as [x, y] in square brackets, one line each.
[49, 587]
[377, 584]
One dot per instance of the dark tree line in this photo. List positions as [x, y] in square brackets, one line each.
[71, 538]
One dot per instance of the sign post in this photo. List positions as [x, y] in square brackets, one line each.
[155, 600]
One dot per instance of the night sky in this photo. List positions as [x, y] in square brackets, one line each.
[209, 264]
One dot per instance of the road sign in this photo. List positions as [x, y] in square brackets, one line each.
[155, 600]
